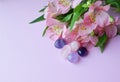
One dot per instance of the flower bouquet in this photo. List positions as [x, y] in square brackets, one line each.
[75, 25]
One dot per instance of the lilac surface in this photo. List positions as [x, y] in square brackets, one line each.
[27, 57]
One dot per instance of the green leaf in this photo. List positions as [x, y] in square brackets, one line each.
[60, 17]
[118, 33]
[78, 12]
[88, 3]
[41, 18]
[42, 10]
[76, 15]
[93, 1]
[112, 19]
[114, 3]
[64, 18]
[92, 33]
[44, 31]
[67, 18]
[85, 5]
[101, 42]
[102, 48]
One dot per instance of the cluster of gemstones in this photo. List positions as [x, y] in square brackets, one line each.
[75, 55]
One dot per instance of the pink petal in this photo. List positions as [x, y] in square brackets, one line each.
[102, 19]
[117, 21]
[62, 8]
[87, 20]
[88, 29]
[65, 10]
[65, 32]
[99, 31]
[98, 3]
[75, 3]
[51, 7]
[71, 36]
[51, 34]
[94, 40]
[106, 8]
[111, 31]
[51, 21]
[95, 5]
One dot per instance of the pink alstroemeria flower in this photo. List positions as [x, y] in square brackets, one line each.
[55, 28]
[57, 7]
[51, 11]
[55, 31]
[111, 30]
[79, 29]
[85, 29]
[97, 14]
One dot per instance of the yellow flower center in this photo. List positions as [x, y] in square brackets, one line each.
[64, 2]
[82, 27]
[92, 17]
[57, 29]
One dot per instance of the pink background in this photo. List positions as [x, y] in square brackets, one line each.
[27, 57]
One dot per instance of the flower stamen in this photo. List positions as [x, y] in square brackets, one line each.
[57, 29]
[64, 2]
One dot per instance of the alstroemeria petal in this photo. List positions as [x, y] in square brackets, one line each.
[94, 40]
[75, 3]
[111, 31]
[102, 19]
[95, 5]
